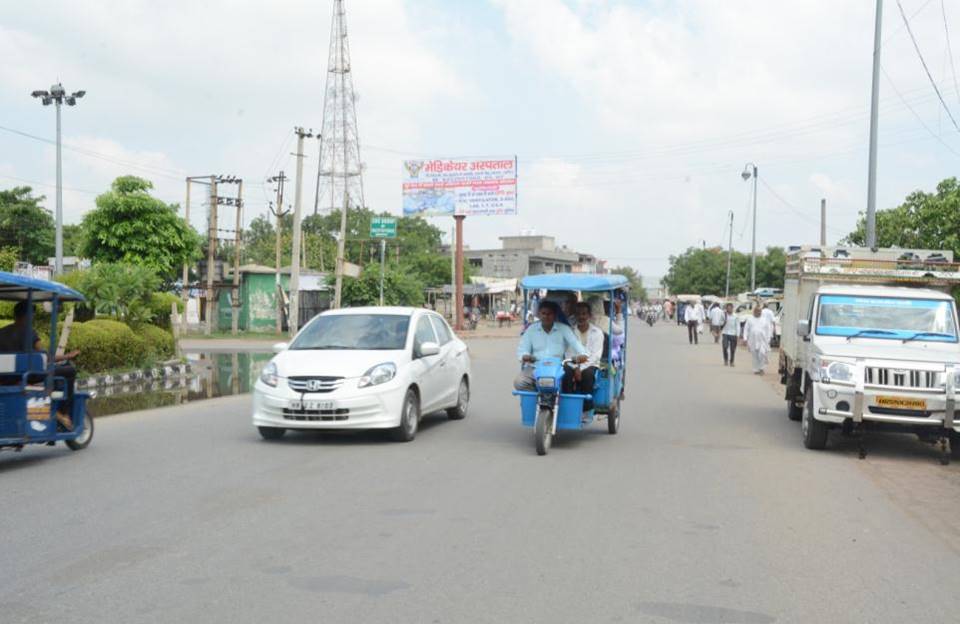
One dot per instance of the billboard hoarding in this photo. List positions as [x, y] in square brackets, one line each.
[460, 186]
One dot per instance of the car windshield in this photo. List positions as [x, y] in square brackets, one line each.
[892, 318]
[373, 332]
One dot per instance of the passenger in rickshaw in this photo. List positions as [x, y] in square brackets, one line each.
[582, 378]
[12, 340]
[599, 308]
[567, 300]
[546, 339]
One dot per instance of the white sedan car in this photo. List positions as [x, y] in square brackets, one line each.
[364, 368]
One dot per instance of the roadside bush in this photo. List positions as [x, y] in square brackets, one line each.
[159, 304]
[106, 345]
[159, 341]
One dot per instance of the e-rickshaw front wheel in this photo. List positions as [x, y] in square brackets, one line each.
[543, 431]
[82, 441]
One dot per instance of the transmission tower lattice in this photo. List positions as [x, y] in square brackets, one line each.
[339, 174]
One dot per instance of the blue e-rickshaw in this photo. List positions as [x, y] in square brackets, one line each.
[31, 393]
[548, 409]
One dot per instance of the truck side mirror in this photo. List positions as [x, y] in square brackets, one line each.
[803, 328]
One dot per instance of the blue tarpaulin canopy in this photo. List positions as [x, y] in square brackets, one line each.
[15, 287]
[589, 282]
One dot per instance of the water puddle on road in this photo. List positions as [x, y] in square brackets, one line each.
[212, 375]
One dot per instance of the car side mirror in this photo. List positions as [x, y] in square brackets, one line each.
[427, 349]
[280, 346]
[803, 328]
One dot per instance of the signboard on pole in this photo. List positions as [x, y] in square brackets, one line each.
[460, 186]
[383, 227]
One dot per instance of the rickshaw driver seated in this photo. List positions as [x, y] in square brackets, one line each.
[543, 340]
[12, 341]
[582, 379]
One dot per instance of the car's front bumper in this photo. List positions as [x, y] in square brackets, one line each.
[858, 403]
[377, 407]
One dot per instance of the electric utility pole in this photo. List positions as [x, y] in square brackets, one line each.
[294, 317]
[279, 213]
[823, 222]
[729, 257]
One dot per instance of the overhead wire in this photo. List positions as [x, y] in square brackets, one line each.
[946, 32]
[917, 115]
[926, 69]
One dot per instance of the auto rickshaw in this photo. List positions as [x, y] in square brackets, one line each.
[549, 410]
[30, 392]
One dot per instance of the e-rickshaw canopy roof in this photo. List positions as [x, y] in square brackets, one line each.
[15, 287]
[584, 282]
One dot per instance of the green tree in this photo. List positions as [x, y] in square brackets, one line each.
[637, 291]
[399, 288]
[8, 258]
[72, 239]
[121, 290]
[25, 225]
[128, 225]
[922, 221]
[704, 271]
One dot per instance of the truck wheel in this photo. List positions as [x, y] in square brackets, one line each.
[814, 431]
[954, 445]
[271, 433]
[794, 411]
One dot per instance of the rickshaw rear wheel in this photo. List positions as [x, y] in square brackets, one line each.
[271, 433]
[613, 418]
[83, 440]
[543, 431]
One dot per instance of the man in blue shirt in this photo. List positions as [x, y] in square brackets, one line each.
[546, 339]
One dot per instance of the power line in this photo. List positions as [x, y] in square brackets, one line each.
[917, 115]
[923, 62]
[946, 32]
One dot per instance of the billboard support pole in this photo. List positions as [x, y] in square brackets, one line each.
[458, 289]
[383, 252]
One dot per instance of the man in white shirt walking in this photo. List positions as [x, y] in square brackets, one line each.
[716, 321]
[757, 332]
[693, 316]
[582, 379]
[731, 334]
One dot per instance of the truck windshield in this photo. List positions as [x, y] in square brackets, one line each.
[891, 318]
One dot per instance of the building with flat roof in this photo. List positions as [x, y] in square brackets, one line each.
[529, 255]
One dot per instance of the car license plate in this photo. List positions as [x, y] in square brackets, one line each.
[906, 403]
[312, 406]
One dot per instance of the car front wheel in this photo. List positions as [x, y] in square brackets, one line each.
[459, 412]
[409, 418]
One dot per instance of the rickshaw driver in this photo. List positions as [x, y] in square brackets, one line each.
[546, 339]
[12, 341]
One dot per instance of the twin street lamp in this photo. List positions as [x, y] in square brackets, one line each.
[58, 96]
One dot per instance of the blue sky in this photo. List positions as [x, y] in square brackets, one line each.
[631, 120]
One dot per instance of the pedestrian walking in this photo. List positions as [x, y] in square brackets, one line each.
[716, 321]
[767, 315]
[693, 315]
[681, 313]
[730, 335]
[757, 332]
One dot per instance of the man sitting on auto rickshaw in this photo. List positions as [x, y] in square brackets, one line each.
[582, 379]
[12, 340]
[546, 339]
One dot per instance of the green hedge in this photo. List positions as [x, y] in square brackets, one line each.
[159, 305]
[107, 345]
[160, 341]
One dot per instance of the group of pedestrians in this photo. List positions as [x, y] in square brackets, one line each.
[756, 333]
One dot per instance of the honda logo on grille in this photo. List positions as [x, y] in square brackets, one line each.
[314, 385]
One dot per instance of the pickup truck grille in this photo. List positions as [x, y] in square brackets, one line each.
[901, 378]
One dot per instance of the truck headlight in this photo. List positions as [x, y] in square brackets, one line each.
[379, 374]
[269, 375]
[838, 371]
[547, 382]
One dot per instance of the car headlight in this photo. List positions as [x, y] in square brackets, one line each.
[547, 382]
[836, 371]
[269, 375]
[379, 374]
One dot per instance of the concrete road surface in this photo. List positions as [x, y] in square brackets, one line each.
[705, 508]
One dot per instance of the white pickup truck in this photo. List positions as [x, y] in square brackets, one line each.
[870, 338]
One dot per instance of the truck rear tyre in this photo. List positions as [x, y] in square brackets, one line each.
[814, 431]
[794, 411]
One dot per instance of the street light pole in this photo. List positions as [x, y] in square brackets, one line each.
[871, 224]
[726, 294]
[58, 96]
[749, 170]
